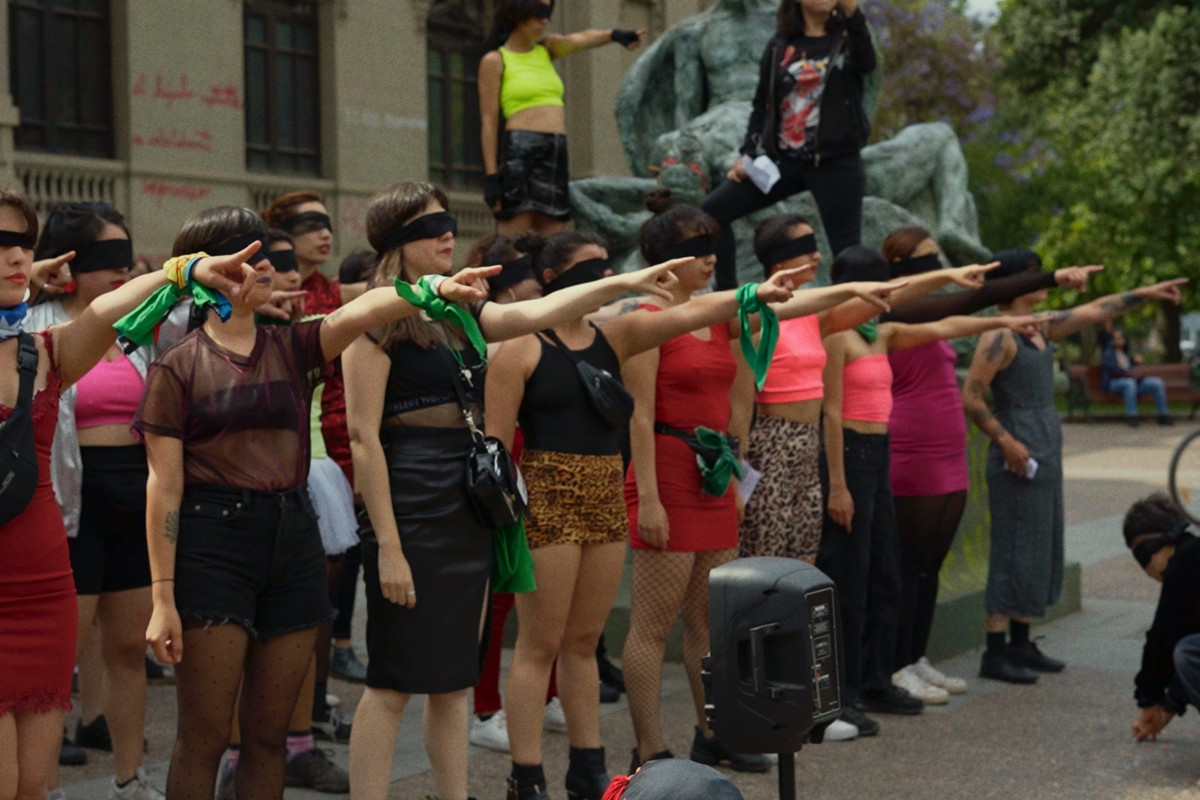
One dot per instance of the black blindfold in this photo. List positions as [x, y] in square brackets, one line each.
[695, 247]
[915, 266]
[801, 246]
[238, 244]
[108, 254]
[511, 274]
[14, 239]
[283, 260]
[307, 222]
[581, 273]
[1144, 550]
[429, 226]
[543, 11]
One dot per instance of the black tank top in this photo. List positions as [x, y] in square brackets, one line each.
[555, 414]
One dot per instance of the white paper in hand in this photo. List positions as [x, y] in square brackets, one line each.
[762, 172]
[750, 479]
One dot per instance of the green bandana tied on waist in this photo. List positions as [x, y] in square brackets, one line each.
[512, 568]
[425, 297]
[139, 327]
[869, 330]
[716, 475]
[760, 358]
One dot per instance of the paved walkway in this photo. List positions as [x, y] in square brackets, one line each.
[1067, 737]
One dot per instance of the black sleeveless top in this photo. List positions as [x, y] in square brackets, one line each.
[555, 414]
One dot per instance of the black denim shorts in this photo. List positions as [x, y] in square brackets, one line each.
[250, 558]
[534, 175]
[109, 554]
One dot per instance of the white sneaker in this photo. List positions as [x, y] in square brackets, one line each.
[491, 733]
[841, 731]
[926, 672]
[553, 719]
[908, 680]
[140, 788]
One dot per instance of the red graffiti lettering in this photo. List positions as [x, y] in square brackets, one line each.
[176, 139]
[227, 95]
[161, 190]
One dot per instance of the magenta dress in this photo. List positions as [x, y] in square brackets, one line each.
[927, 459]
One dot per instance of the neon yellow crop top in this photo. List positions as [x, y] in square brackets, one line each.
[529, 80]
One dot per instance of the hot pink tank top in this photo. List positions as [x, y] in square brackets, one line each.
[798, 364]
[108, 394]
[867, 389]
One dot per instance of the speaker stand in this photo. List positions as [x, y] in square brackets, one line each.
[787, 776]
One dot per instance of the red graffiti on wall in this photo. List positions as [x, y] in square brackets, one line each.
[176, 139]
[171, 91]
[227, 95]
[163, 190]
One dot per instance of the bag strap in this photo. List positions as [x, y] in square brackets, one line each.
[456, 376]
[550, 334]
[27, 366]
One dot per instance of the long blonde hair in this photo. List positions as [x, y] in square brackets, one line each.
[391, 209]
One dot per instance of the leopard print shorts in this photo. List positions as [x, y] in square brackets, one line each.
[785, 513]
[574, 499]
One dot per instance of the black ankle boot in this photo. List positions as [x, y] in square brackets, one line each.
[586, 777]
[527, 783]
[636, 761]
[712, 753]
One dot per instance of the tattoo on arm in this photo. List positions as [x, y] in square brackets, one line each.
[1119, 303]
[994, 351]
[335, 314]
[171, 527]
[981, 414]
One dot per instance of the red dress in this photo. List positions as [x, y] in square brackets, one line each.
[37, 592]
[323, 296]
[691, 390]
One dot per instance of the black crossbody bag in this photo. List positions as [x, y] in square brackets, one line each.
[18, 458]
[607, 395]
[495, 486]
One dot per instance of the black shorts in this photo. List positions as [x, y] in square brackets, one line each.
[534, 175]
[250, 558]
[109, 553]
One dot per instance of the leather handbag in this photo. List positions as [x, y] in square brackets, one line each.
[606, 394]
[18, 458]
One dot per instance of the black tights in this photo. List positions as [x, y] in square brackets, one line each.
[206, 687]
[927, 527]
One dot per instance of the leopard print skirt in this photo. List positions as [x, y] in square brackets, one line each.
[574, 499]
[785, 513]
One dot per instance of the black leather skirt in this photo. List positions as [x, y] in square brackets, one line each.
[434, 647]
[534, 175]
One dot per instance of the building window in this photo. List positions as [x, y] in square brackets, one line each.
[456, 31]
[282, 88]
[61, 75]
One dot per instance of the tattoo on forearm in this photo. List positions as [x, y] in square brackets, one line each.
[335, 314]
[1119, 303]
[171, 527]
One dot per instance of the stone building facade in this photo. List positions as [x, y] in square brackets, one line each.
[166, 107]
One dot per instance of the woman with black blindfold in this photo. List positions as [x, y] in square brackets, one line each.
[239, 579]
[99, 473]
[1024, 467]
[415, 391]
[859, 546]
[929, 462]
[573, 467]
[38, 606]
[526, 183]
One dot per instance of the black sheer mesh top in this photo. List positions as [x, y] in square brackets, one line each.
[243, 420]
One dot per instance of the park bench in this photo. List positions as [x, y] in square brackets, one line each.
[1083, 387]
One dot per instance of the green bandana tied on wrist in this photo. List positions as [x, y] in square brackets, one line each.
[759, 359]
[512, 567]
[869, 330]
[716, 474]
[425, 297]
[139, 328]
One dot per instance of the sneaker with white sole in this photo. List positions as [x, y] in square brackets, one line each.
[926, 672]
[553, 718]
[140, 788]
[491, 733]
[841, 731]
[908, 680]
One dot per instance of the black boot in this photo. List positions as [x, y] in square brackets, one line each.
[636, 761]
[586, 777]
[610, 673]
[712, 753]
[527, 783]
[1028, 655]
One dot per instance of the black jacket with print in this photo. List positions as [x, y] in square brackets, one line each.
[843, 127]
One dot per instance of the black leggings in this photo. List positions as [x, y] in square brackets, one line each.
[837, 186]
[927, 527]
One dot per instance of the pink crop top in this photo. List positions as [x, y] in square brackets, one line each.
[108, 394]
[867, 389]
[798, 364]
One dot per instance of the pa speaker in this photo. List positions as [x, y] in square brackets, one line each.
[773, 675]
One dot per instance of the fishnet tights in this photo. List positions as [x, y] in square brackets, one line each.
[206, 687]
[666, 585]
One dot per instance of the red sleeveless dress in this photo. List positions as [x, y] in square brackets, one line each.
[37, 592]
